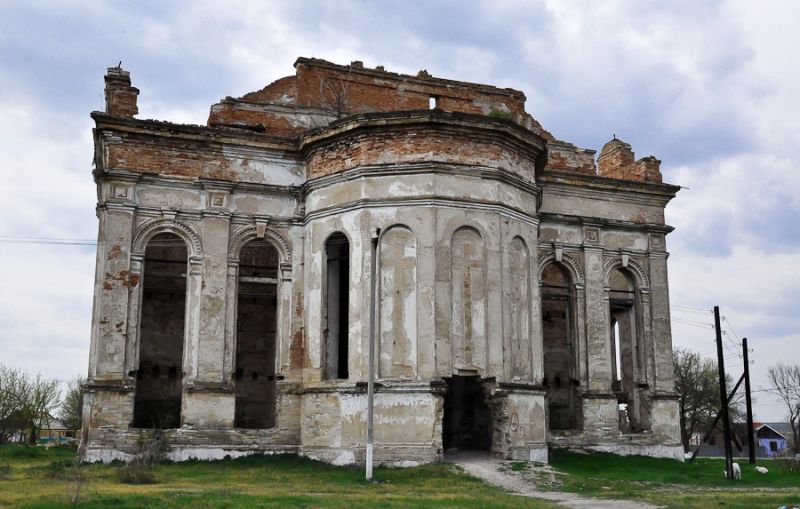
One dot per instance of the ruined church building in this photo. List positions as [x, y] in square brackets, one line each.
[521, 291]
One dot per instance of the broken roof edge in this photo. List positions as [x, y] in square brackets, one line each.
[168, 129]
[424, 80]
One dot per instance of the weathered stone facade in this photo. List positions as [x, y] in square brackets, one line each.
[522, 296]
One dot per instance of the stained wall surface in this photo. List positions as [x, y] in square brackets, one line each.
[278, 211]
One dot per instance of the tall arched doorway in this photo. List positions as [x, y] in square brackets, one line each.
[560, 380]
[256, 331]
[626, 349]
[159, 375]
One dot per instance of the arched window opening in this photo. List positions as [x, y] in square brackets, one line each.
[336, 306]
[625, 349]
[159, 376]
[560, 377]
[256, 331]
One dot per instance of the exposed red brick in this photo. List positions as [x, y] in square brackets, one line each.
[120, 95]
[617, 161]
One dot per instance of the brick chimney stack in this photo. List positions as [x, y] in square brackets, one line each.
[615, 156]
[120, 95]
[617, 161]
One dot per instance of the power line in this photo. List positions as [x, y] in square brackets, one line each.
[17, 239]
[690, 311]
[693, 322]
[50, 242]
[690, 308]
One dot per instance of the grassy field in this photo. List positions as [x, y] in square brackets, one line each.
[35, 477]
[700, 484]
[38, 478]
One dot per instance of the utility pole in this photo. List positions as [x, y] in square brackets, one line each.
[371, 381]
[751, 445]
[723, 396]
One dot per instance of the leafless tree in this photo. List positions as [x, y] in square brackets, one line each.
[785, 380]
[335, 94]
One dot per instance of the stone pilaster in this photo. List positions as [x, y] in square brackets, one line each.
[597, 326]
[112, 284]
[209, 398]
[661, 332]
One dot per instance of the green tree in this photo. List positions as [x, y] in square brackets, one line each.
[10, 402]
[41, 398]
[697, 385]
[26, 402]
[71, 410]
[698, 391]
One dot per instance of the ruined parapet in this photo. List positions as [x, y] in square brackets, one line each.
[321, 91]
[617, 161]
[120, 95]
[562, 156]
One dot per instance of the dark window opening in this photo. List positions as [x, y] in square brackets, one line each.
[626, 362]
[466, 424]
[336, 306]
[157, 402]
[256, 331]
[560, 378]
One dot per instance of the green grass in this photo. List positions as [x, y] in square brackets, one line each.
[42, 478]
[39, 479]
[700, 484]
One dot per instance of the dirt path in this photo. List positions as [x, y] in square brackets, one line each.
[489, 469]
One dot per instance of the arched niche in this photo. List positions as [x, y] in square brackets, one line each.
[519, 308]
[398, 303]
[468, 300]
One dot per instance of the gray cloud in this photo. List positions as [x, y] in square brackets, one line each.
[709, 88]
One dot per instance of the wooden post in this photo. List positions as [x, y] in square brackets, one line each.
[723, 396]
[751, 443]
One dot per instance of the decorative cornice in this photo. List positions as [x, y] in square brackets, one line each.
[422, 202]
[510, 132]
[607, 224]
[170, 130]
[575, 181]
[426, 168]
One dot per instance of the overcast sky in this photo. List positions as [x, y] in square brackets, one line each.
[710, 88]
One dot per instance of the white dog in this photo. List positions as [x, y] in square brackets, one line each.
[762, 470]
[737, 472]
